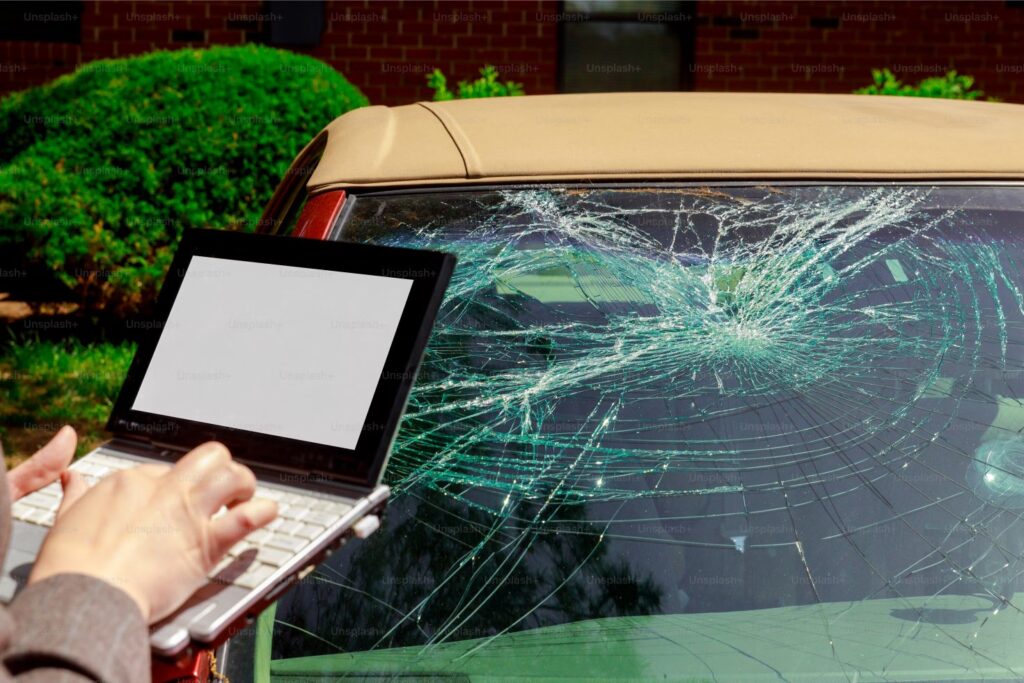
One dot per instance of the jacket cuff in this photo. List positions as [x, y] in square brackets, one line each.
[81, 623]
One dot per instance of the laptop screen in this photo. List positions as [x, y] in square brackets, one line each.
[297, 354]
[275, 349]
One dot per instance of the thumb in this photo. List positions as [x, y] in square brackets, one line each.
[44, 466]
[74, 486]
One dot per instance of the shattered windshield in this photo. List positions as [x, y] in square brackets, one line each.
[737, 433]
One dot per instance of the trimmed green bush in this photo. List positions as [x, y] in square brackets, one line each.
[952, 86]
[102, 169]
[487, 85]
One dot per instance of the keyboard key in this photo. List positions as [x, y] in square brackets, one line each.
[272, 556]
[269, 494]
[254, 576]
[112, 462]
[309, 531]
[52, 490]
[19, 510]
[251, 542]
[292, 511]
[35, 516]
[38, 500]
[321, 518]
[289, 527]
[286, 542]
[241, 547]
[339, 509]
[89, 468]
[121, 463]
[259, 536]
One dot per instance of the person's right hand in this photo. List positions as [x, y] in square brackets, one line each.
[149, 530]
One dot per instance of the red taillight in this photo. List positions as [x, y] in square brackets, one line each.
[319, 215]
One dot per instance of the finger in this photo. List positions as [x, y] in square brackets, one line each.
[75, 486]
[125, 476]
[237, 523]
[213, 479]
[154, 470]
[201, 461]
[45, 465]
[229, 485]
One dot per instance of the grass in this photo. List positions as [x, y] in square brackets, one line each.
[45, 385]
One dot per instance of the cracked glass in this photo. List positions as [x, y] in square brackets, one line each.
[676, 433]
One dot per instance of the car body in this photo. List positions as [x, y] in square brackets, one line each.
[726, 387]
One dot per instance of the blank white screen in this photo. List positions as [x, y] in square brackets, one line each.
[293, 352]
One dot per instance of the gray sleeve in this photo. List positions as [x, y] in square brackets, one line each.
[74, 628]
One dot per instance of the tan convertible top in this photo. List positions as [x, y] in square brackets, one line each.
[691, 136]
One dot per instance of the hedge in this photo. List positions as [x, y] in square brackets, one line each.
[102, 169]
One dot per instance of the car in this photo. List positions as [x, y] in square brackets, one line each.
[725, 387]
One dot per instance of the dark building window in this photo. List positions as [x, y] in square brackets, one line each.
[182, 35]
[297, 23]
[41, 22]
[625, 45]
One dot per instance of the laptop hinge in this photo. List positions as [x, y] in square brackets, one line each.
[131, 442]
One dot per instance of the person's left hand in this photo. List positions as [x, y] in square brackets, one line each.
[45, 466]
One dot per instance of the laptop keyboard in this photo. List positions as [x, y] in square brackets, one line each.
[301, 518]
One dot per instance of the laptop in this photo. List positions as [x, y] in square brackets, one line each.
[299, 356]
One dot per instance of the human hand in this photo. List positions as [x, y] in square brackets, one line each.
[45, 466]
[149, 530]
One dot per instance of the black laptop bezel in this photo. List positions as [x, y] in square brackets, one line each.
[361, 466]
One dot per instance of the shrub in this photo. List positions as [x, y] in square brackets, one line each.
[102, 169]
[485, 86]
[952, 86]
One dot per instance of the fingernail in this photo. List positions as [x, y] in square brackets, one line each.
[268, 507]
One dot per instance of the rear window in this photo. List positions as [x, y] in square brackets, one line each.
[732, 433]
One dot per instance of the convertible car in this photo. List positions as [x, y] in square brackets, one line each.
[726, 387]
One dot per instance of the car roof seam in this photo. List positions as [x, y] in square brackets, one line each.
[470, 160]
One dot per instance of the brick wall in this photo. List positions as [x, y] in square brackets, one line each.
[390, 46]
[386, 47]
[832, 46]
